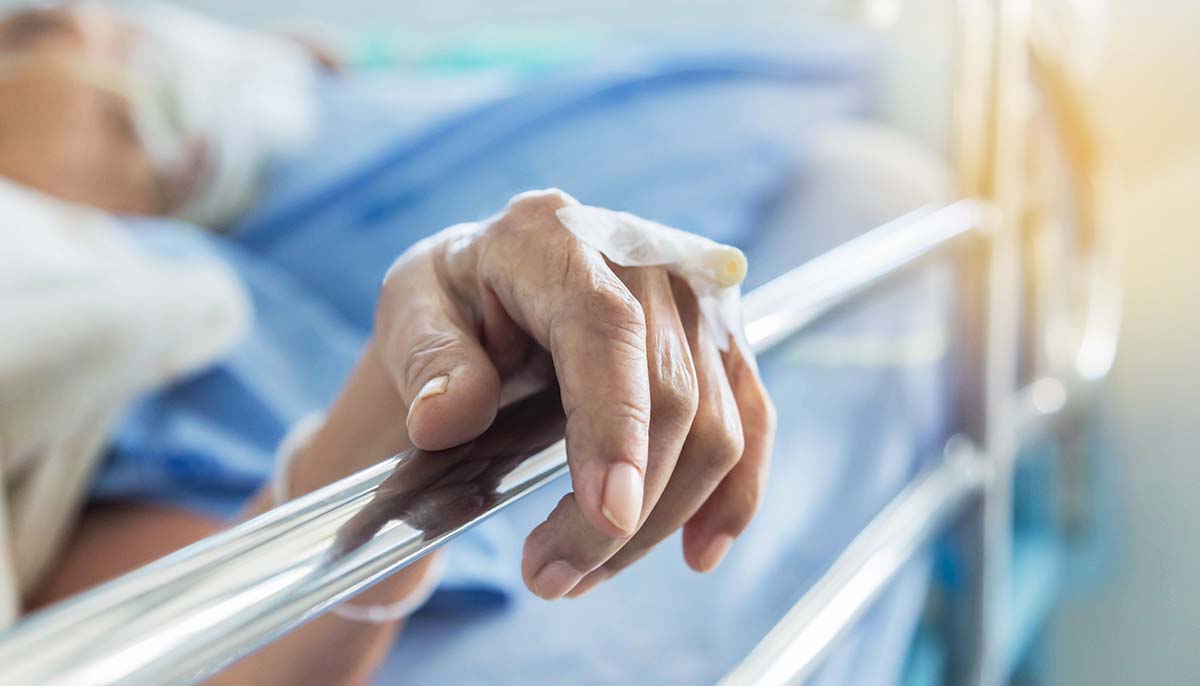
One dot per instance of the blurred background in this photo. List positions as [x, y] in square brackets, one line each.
[1135, 619]
[1142, 624]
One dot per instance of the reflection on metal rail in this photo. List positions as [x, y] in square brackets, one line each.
[192, 613]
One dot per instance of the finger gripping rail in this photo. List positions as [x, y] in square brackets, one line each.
[188, 615]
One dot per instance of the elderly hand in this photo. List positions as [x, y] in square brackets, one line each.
[664, 430]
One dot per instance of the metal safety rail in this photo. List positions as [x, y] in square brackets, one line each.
[188, 615]
[192, 613]
[1035, 338]
[798, 642]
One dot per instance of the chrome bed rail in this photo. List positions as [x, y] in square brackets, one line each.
[187, 615]
[1007, 404]
[798, 642]
[794, 648]
[190, 614]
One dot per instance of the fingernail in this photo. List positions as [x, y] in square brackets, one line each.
[715, 551]
[555, 579]
[435, 386]
[622, 501]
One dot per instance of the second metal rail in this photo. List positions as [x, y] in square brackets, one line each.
[795, 646]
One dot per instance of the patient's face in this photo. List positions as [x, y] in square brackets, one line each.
[59, 132]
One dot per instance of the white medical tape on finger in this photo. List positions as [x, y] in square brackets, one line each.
[713, 271]
[296, 438]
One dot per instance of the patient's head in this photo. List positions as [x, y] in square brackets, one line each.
[66, 126]
[148, 108]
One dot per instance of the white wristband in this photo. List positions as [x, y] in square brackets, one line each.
[296, 438]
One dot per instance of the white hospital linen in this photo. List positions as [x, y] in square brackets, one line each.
[89, 320]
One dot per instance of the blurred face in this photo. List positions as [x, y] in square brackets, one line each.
[65, 129]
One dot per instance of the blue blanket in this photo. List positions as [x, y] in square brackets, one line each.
[713, 141]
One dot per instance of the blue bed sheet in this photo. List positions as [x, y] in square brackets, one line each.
[713, 141]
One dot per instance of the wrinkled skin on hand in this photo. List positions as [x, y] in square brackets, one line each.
[664, 428]
[437, 491]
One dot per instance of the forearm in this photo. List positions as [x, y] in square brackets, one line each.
[365, 425]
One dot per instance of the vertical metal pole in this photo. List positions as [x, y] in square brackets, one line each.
[973, 104]
[1012, 110]
[990, 117]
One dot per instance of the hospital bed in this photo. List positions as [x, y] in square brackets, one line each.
[1036, 329]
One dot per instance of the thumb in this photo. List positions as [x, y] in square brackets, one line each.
[447, 381]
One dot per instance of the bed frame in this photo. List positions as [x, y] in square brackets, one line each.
[1035, 336]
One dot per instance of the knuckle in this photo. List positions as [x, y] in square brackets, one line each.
[614, 310]
[675, 395]
[719, 442]
[423, 249]
[537, 203]
[608, 410]
[607, 312]
[416, 270]
[532, 212]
